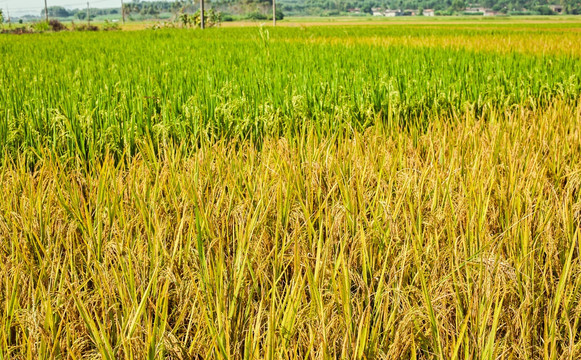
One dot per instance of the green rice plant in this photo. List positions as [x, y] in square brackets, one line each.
[108, 91]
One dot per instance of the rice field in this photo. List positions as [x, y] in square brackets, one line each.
[401, 190]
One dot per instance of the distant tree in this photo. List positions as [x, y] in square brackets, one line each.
[458, 5]
[572, 6]
[1, 18]
[56, 11]
[175, 7]
[279, 14]
[545, 10]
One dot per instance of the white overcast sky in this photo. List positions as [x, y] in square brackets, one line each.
[33, 7]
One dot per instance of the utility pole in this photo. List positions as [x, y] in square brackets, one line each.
[88, 15]
[202, 14]
[273, 12]
[45, 11]
[122, 12]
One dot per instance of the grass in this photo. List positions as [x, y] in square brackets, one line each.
[174, 195]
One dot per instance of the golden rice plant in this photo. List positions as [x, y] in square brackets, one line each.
[455, 241]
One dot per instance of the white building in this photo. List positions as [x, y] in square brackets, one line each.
[377, 12]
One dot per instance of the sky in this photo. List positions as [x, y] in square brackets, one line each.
[33, 7]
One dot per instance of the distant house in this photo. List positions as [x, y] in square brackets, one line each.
[409, 12]
[392, 13]
[556, 8]
[377, 12]
[490, 12]
[476, 10]
[354, 11]
[429, 12]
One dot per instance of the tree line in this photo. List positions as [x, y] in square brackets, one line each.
[324, 7]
